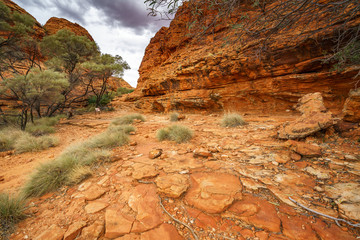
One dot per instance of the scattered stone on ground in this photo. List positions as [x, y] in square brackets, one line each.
[239, 188]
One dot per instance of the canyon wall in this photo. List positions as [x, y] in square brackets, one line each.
[215, 72]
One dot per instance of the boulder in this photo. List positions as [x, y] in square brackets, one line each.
[351, 108]
[313, 119]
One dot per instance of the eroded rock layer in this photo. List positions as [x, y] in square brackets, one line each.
[219, 71]
[54, 24]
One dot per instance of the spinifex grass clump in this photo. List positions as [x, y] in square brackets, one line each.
[43, 125]
[75, 163]
[29, 143]
[24, 142]
[109, 139]
[232, 120]
[128, 119]
[11, 212]
[177, 133]
[126, 128]
[8, 137]
[174, 117]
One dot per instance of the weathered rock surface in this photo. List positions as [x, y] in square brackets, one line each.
[313, 119]
[347, 197]
[74, 230]
[213, 192]
[305, 149]
[53, 233]
[95, 206]
[144, 201]
[54, 24]
[165, 231]
[172, 185]
[179, 72]
[351, 108]
[118, 223]
[94, 231]
[259, 212]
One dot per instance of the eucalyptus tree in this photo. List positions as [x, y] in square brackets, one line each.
[98, 72]
[66, 52]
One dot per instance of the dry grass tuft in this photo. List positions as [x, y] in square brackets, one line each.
[128, 119]
[232, 120]
[177, 133]
[11, 212]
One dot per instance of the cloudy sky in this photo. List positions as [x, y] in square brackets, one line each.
[120, 27]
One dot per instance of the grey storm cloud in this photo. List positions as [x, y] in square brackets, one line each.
[123, 13]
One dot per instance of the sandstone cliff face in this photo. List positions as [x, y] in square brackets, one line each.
[216, 73]
[54, 24]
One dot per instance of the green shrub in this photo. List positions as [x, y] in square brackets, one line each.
[122, 90]
[177, 133]
[105, 99]
[128, 119]
[29, 143]
[11, 212]
[232, 120]
[174, 117]
[8, 138]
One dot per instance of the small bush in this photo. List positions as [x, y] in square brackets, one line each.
[29, 143]
[8, 138]
[177, 133]
[232, 120]
[128, 119]
[122, 90]
[105, 99]
[163, 134]
[174, 117]
[11, 212]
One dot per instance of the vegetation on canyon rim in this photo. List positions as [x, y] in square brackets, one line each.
[75, 69]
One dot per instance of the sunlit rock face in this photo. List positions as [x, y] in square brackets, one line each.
[54, 24]
[221, 71]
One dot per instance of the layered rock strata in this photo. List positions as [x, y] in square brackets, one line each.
[219, 71]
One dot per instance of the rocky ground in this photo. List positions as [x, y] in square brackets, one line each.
[226, 183]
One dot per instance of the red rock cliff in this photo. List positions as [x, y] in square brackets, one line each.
[217, 73]
[54, 24]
